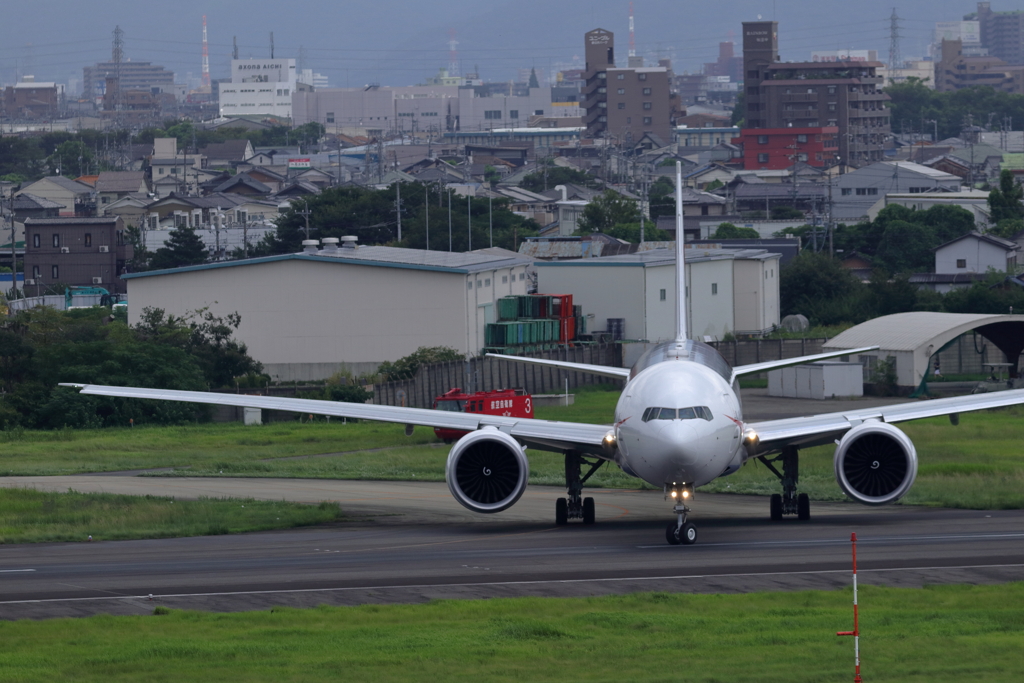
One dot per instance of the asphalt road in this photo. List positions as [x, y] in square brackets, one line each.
[410, 542]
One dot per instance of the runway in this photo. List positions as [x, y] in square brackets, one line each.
[411, 542]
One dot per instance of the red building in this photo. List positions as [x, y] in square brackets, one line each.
[780, 148]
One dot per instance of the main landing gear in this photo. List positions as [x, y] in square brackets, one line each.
[576, 506]
[680, 531]
[789, 502]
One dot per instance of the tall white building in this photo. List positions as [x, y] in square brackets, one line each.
[260, 87]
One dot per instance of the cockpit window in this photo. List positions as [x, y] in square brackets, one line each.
[451, 406]
[693, 413]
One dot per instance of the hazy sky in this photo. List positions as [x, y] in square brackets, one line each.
[401, 42]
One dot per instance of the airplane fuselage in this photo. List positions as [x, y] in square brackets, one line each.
[678, 419]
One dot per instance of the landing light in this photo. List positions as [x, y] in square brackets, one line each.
[609, 442]
[673, 494]
[686, 493]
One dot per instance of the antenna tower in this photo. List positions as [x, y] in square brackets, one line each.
[234, 47]
[206, 58]
[271, 44]
[117, 57]
[894, 45]
[453, 56]
[632, 37]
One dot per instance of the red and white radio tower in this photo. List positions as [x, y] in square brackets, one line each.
[632, 38]
[206, 58]
[453, 56]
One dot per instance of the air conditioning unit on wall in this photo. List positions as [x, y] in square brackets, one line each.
[104, 249]
[65, 250]
[97, 281]
[30, 281]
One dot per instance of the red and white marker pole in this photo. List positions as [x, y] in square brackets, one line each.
[856, 627]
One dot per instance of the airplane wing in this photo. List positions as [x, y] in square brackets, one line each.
[740, 370]
[540, 434]
[816, 430]
[605, 370]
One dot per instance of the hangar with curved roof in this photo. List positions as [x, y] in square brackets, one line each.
[914, 338]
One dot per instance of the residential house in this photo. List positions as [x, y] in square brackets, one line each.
[113, 185]
[75, 198]
[76, 251]
[227, 154]
[969, 259]
[854, 193]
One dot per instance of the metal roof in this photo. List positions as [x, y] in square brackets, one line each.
[911, 331]
[663, 257]
[385, 257]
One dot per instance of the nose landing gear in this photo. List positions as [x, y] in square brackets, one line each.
[680, 531]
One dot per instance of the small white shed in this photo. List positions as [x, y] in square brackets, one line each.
[821, 380]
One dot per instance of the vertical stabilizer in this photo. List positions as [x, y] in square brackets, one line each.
[680, 260]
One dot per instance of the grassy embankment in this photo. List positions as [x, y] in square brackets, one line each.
[35, 516]
[946, 633]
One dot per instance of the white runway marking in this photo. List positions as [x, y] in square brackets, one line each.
[829, 541]
[15, 571]
[423, 586]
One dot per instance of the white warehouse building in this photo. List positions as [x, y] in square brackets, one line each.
[306, 316]
[728, 291]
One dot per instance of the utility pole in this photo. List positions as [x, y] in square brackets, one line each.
[469, 220]
[398, 208]
[14, 249]
[216, 230]
[449, 219]
[305, 212]
[426, 211]
[490, 219]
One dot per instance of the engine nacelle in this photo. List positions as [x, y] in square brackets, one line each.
[487, 470]
[875, 463]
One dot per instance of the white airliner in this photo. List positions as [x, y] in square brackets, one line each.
[678, 425]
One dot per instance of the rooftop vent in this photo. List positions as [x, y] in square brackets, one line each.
[330, 244]
[349, 242]
[310, 246]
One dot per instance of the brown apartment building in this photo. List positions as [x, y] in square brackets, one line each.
[623, 104]
[954, 71]
[76, 251]
[846, 95]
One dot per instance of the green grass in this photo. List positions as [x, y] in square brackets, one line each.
[69, 451]
[938, 634]
[32, 516]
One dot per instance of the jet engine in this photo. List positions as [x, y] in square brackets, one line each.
[487, 470]
[875, 463]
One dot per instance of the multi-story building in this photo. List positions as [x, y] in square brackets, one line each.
[1002, 33]
[260, 87]
[623, 103]
[844, 95]
[76, 251]
[133, 76]
[955, 70]
[31, 100]
[779, 148]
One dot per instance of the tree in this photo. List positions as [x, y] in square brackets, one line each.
[72, 158]
[606, 211]
[1005, 202]
[729, 231]
[534, 83]
[541, 181]
[786, 213]
[907, 247]
[183, 248]
[820, 288]
[407, 366]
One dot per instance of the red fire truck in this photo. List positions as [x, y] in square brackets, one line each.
[508, 402]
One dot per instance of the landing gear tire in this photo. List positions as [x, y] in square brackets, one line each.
[685, 535]
[589, 515]
[561, 512]
[803, 507]
[775, 505]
